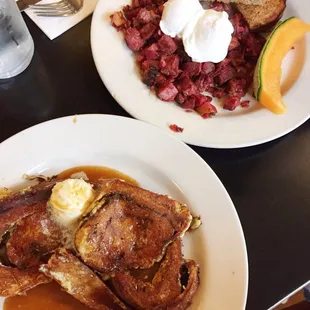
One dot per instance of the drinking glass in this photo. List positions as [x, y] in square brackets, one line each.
[16, 44]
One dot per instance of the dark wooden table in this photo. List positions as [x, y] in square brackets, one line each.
[269, 184]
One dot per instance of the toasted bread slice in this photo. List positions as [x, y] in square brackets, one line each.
[262, 17]
[249, 2]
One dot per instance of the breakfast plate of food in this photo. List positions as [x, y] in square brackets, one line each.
[214, 74]
[116, 214]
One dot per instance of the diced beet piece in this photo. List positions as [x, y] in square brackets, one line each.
[208, 98]
[150, 76]
[144, 16]
[183, 56]
[220, 7]
[206, 116]
[176, 128]
[161, 8]
[167, 92]
[237, 87]
[151, 52]
[169, 65]
[204, 83]
[246, 71]
[245, 104]
[139, 58]
[117, 20]
[133, 39]
[241, 27]
[187, 86]
[253, 45]
[154, 14]
[178, 41]
[241, 71]
[210, 89]
[222, 65]
[200, 83]
[158, 34]
[167, 45]
[136, 3]
[149, 63]
[204, 106]
[180, 98]
[156, 21]
[236, 56]
[189, 103]
[237, 20]
[130, 13]
[233, 43]
[231, 103]
[225, 75]
[135, 23]
[191, 68]
[144, 3]
[218, 93]
[201, 99]
[147, 31]
[207, 67]
[161, 80]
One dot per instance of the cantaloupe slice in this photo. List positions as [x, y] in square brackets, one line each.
[267, 77]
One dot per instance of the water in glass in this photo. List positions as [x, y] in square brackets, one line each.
[16, 44]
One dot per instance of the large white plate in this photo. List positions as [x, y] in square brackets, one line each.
[158, 162]
[243, 127]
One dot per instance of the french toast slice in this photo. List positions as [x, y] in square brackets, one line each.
[81, 282]
[129, 227]
[32, 239]
[164, 287]
[21, 204]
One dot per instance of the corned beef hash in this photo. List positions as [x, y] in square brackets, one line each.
[167, 68]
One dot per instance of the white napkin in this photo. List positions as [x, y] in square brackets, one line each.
[55, 26]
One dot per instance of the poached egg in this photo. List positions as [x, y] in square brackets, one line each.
[176, 15]
[206, 34]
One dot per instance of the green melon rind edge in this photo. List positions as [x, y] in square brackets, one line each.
[258, 69]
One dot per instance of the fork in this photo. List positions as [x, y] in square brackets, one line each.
[61, 8]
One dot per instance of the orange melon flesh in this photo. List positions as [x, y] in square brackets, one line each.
[267, 86]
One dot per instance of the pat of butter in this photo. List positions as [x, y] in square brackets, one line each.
[69, 200]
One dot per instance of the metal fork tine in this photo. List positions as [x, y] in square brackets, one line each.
[48, 7]
[44, 14]
[64, 9]
[49, 10]
[55, 12]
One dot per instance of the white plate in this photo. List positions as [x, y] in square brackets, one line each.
[243, 127]
[158, 162]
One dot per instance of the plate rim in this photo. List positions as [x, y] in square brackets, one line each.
[216, 179]
[134, 113]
